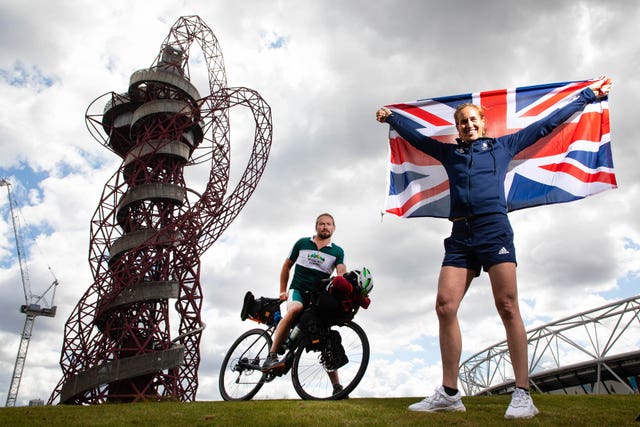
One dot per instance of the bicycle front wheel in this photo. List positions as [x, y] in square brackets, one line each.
[240, 375]
[311, 374]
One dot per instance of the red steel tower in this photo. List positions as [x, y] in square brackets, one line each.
[150, 228]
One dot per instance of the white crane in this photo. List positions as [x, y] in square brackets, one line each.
[35, 305]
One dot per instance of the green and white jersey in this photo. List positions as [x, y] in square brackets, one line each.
[313, 265]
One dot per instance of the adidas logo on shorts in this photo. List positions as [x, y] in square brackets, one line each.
[503, 251]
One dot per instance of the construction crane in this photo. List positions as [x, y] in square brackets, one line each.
[35, 305]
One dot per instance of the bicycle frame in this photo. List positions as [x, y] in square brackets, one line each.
[242, 376]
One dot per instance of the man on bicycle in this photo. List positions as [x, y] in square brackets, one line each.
[314, 258]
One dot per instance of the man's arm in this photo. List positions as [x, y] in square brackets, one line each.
[284, 278]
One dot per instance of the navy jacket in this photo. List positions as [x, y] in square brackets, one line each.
[477, 172]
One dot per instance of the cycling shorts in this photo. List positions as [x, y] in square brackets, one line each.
[480, 242]
[296, 295]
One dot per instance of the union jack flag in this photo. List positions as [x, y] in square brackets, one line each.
[572, 162]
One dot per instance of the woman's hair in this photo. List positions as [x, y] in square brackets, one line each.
[461, 107]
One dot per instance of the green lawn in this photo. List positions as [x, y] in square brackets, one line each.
[555, 410]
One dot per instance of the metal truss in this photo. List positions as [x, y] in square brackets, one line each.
[586, 347]
[151, 228]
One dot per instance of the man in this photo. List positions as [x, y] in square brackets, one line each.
[315, 258]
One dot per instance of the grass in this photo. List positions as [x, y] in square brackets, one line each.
[555, 410]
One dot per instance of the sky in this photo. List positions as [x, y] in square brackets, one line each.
[324, 67]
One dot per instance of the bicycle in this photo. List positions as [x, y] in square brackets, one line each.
[345, 348]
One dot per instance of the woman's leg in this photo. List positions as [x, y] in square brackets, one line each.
[505, 294]
[452, 285]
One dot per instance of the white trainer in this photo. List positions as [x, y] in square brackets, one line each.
[439, 401]
[521, 405]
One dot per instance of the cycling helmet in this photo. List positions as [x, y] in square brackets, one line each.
[365, 280]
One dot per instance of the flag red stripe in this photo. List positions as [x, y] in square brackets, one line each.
[402, 152]
[495, 111]
[557, 97]
[418, 197]
[591, 127]
[422, 114]
[604, 177]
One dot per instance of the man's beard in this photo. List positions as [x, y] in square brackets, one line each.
[324, 234]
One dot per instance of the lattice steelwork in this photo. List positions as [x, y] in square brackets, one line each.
[580, 351]
[150, 228]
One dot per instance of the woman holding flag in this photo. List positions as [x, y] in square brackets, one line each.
[481, 236]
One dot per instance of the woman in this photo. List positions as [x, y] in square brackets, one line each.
[481, 236]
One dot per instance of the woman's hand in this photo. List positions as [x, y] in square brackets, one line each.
[602, 87]
[382, 114]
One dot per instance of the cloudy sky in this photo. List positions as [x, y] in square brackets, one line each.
[324, 67]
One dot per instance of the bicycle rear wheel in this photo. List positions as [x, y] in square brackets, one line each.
[311, 377]
[240, 375]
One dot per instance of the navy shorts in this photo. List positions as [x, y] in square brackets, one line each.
[480, 242]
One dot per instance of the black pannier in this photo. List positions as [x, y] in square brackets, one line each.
[333, 355]
[315, 330]
[261, 310]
